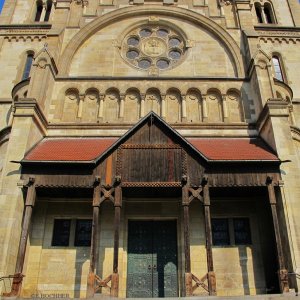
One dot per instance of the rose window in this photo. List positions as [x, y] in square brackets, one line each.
[153, 48]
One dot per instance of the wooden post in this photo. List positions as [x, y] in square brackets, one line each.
[29, 204]
[282, 272]
[211, 277]
[94, 240]
[115, 276]
[186, 229]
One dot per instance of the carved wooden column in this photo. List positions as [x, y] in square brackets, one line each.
[115, 275]
[187, 254]
[282, 272]
[211, 277]
[94, 240]
[29, 204]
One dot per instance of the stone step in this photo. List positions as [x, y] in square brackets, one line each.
[288, 296]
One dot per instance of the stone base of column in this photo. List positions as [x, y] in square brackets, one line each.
[114, 291]
[284, 281]
[188, 284]
[16, 286]
[90, 285]
[212, 285]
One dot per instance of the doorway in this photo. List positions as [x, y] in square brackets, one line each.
[152, 259]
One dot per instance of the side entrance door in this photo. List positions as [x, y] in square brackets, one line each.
[152, 259]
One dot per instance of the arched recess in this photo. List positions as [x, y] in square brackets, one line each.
[173, 106]
[71, 105]
[132, 105]
[152, 10]
[153, 101]
[91, 105]
[234, 106]
[111, 105]
[193, 106]
[214, 106]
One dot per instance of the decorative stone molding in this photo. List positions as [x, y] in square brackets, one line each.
[128, 12]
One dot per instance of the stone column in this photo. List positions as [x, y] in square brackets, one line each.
[183, 108]
[204, 108]
[122, 104]
[143, 99]
[101, 107]
[80, 105]
[163, 106]
[225, 108]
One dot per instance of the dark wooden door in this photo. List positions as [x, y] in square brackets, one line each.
[152, 259]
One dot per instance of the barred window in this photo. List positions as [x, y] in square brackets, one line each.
[83, 233]
[61, 232]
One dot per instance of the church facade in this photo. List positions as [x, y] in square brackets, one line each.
[149, 148]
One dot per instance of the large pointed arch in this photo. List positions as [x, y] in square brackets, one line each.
[176, 12]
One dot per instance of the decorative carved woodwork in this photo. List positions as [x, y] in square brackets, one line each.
[151, 184]
[100, 283]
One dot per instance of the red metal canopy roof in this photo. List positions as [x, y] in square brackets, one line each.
[88, 149]
[233, 148]
[69, 149]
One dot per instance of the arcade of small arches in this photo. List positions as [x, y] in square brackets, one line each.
[174, 106]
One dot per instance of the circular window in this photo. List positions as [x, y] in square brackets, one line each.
[133, 41]
[144, 63]
[153, 47]
[132, 54]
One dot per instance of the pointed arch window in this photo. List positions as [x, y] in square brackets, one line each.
[277, 68]
[28, 64]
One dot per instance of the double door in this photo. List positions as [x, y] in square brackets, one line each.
[152, 259]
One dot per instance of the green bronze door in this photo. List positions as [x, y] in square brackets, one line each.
[152, 259]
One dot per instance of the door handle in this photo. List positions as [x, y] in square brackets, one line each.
[149, 267]
[154, 267]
